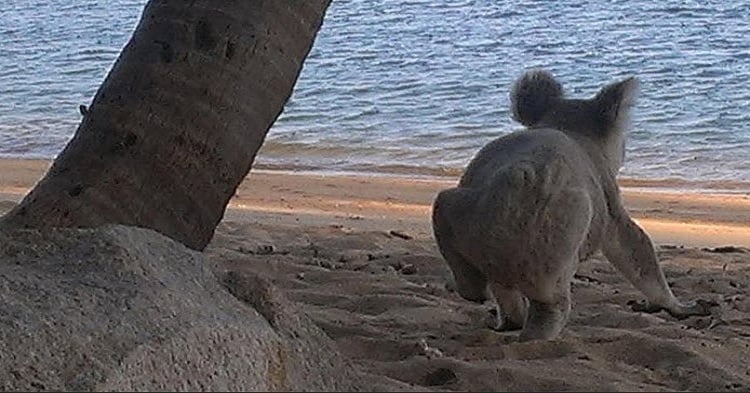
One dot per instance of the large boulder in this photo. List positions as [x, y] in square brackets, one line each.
[121, 308]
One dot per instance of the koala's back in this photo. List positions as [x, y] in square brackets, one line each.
[539, 159]
[523, 195]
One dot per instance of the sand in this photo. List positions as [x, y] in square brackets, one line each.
[357, 253]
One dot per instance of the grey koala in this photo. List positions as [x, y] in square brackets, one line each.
[533, 203]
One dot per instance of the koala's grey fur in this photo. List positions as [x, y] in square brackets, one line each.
[533, 203]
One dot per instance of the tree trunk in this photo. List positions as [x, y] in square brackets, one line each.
[176, 124]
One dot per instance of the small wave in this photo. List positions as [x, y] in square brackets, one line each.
[362, 169]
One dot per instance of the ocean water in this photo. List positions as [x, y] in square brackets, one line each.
[418, 86]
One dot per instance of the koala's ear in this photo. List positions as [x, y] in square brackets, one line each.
[615, 101]
[533, 95]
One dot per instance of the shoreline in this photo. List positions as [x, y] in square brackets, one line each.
[633, 184]
[373, 202]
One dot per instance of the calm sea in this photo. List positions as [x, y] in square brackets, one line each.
[418, 86]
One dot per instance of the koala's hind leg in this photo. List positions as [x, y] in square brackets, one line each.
[553, 264]
[511, 307]
[450, 206]
[631, 251]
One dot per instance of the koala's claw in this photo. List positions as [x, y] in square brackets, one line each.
[644, 306]
[698, 307]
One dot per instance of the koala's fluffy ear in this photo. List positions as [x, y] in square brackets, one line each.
[533, 95]
[614, 103]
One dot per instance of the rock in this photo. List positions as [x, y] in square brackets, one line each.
[726, 249]
[408, 269]
[440, 376]
[400, 234]
[120, 308]
[6, 205]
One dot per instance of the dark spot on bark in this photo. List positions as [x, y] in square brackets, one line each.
[166, 53]
[120, 144]
[204, 37]
[76, 191]
[229, 50]
[130, 139]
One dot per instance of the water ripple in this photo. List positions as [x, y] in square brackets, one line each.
[420, 85]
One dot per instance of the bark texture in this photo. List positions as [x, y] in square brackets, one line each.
[176, 124]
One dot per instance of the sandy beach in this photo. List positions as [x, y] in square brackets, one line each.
[358, 252]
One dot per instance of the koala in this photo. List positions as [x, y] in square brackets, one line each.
[533, 203]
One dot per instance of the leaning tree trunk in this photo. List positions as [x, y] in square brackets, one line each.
[176, 125]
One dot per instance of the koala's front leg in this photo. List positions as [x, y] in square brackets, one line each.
[631, 251]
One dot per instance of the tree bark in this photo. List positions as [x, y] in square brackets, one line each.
[175, 126]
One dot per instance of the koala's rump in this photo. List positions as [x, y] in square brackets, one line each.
[537, 206]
